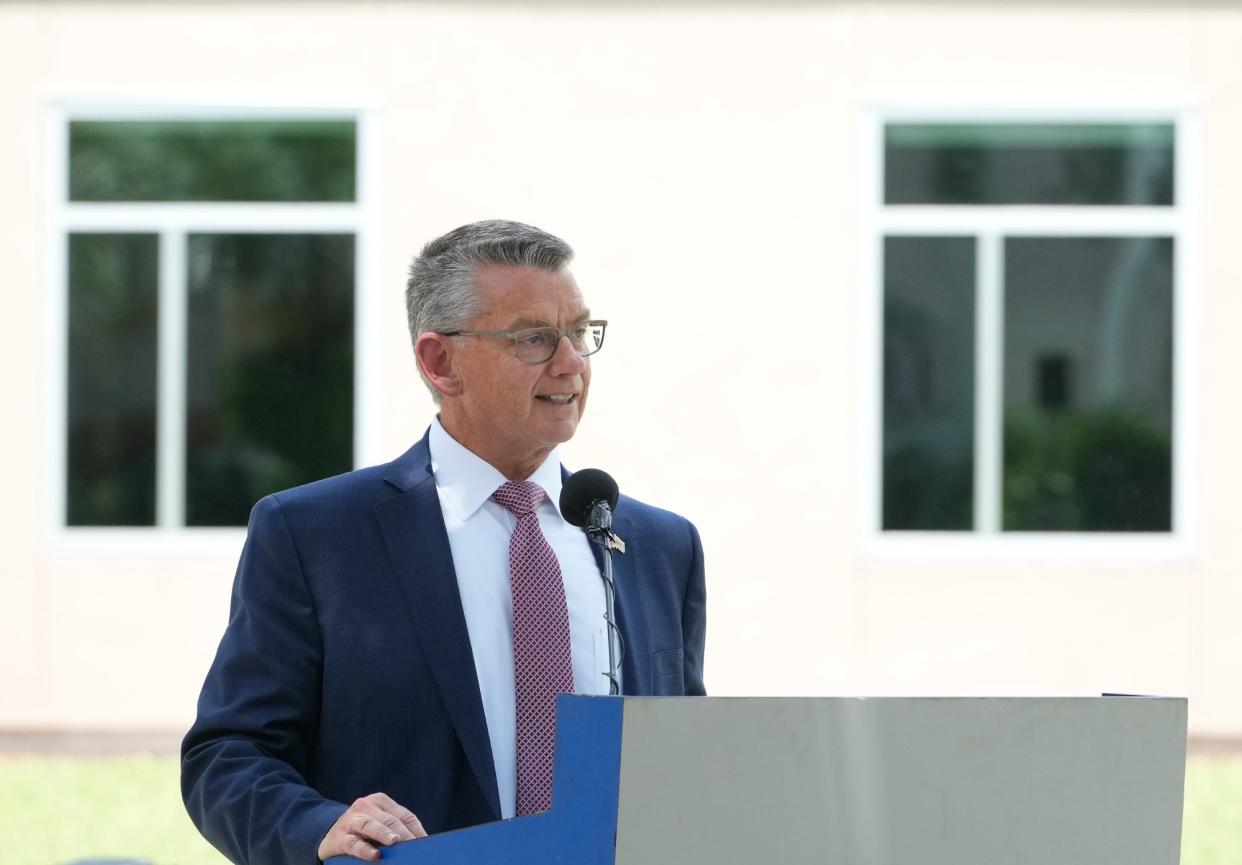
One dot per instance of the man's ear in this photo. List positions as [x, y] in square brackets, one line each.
[434, 353]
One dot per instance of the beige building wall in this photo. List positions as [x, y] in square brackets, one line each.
[710, 164]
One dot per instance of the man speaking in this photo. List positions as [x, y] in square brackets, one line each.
[398, 634]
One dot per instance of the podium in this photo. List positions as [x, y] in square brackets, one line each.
[847, 781]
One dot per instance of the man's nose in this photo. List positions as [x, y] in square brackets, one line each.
[566, 360]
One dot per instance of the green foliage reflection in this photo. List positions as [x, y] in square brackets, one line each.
[113, 311]
[212, 161]
[1104, 470]
[270, 368]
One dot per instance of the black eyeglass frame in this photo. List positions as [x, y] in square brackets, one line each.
[561, 333]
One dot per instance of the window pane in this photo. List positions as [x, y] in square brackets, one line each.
[270, 368]
[929, 382]
[217, 161]
[1088, 384]
[1028, 164]
[113, 315]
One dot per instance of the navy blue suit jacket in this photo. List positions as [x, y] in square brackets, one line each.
[346, 666]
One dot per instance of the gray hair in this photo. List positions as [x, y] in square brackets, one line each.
[441, 294]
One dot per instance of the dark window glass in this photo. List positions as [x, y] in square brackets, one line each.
[270, 368]
[929, 382]
[1088, 384]
[211, 161]
[113, 317]
[1116, 164]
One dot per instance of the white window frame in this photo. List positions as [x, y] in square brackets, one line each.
[173, 222]
[989, 225]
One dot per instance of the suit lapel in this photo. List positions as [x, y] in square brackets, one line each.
[413, 528]
[631, 613]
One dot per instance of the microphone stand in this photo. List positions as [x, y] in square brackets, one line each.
[598, 527]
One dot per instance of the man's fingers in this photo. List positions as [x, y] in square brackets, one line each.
[393, 823]
[374, 828]
[408, 820]
[361, 849]
[414, 825]
[410, 823]
[370, 823]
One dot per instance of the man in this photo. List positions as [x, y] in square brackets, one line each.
[398, 633]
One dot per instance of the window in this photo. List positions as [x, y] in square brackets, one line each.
[1029, 282]
[210, 275]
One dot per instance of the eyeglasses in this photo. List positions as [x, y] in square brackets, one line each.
[539, 344]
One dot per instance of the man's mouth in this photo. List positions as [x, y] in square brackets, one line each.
[558, 398]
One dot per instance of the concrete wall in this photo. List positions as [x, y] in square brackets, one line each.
[709, 164]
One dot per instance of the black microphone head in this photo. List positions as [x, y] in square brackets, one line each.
[584, 488]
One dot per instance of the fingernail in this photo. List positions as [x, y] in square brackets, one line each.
[392, 839]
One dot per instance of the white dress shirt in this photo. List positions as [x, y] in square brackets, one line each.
[478, 532]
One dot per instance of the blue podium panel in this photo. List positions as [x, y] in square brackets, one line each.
[580, 828]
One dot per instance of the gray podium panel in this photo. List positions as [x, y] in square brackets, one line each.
[902, 781]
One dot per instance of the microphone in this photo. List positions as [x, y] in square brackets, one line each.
[588, 497]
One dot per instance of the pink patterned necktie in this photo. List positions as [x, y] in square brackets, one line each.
[542, 666]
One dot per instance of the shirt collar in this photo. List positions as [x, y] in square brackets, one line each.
[468, 480]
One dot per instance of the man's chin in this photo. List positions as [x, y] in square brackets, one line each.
[559, 432]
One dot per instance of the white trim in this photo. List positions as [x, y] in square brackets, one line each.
[871, 328]
[368, 311]
[1176, 221]
[1035, 548]
[57, 338]
[170, 402]
[1051, 221]
[212, 106]
[129, 541]
[1120, 106]
[173, 222]
[263, 218]
[989, 380]
[1186, 378]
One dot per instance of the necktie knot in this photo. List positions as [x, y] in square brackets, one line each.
[520, 497]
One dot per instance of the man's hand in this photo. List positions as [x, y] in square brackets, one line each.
[370, 823]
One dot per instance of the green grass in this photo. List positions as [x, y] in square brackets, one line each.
[1212, 821]
[55, 810]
